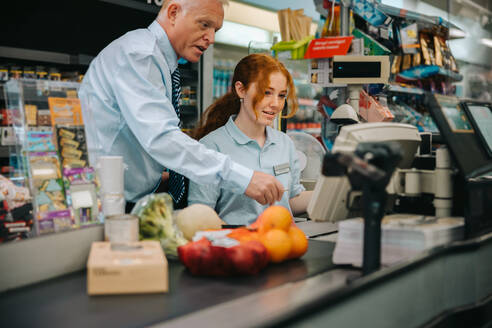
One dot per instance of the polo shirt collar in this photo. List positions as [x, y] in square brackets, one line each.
[242, 139]
[164, 45]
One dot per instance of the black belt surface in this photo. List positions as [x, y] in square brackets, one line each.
[63, 302]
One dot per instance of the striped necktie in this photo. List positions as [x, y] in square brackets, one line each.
[176, 180]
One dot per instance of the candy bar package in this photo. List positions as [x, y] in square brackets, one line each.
[427, 49]
[39, 141]
[47, 183]
[72, 146]
[43, 117]
[407, 62]
[438, 51]
[31, 114]
[395, 66]
[448, 60]
[81, 192]
[416, 59]
[65, 111]
[409, 39]
[54, 221]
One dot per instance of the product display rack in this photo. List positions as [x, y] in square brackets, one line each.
[50, 154]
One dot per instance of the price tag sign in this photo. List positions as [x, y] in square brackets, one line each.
[328, 47]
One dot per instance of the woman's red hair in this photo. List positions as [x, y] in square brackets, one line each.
[253, 68]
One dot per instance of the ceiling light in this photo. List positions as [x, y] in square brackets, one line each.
[455, 33]
[487, 42]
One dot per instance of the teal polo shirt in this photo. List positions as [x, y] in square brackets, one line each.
[278, 154]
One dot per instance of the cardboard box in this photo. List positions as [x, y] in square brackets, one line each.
[139, 267]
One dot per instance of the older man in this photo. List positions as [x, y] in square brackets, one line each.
[130, 103]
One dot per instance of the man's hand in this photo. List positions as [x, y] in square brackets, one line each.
[264, 188]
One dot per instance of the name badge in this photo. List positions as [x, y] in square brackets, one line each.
[281, 169]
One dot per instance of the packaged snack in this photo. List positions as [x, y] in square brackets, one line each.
[395, 66]
[47, 181]
[65, 111]
[31, 114]
[407, 62]
[438, 52]
[427, 51]
[72, 146]
[81, 192]
[416, 59]
[54, 221]
[39, 141]
[69, 152]
[69, 143]
[409, 39]
[64, 133]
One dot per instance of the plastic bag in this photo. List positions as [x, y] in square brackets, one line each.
[216, 253]
[155, 217]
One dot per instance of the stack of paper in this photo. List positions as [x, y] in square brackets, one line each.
[402, 236]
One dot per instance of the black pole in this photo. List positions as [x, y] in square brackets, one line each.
[373, 208]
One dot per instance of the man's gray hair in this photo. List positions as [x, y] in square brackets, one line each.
[223, 2]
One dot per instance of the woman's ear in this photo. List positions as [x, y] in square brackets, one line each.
[240, 89]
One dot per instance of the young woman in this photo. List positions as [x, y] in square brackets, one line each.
[239, 124]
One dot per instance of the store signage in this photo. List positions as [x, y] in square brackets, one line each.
[328, 47]
[155, 2]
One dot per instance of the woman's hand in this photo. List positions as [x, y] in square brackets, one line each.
[299, 203]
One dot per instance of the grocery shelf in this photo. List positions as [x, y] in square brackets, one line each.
[401, 89]
[134, 5]
[421, 19]
[45, 56]
[418, 72]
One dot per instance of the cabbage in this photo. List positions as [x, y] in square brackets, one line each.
[156, 222]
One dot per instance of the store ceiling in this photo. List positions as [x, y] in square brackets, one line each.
[307, 5]
[309, 8]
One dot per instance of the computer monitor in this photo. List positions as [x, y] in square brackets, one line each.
[330, 196]
[480, 115]
[465, 131]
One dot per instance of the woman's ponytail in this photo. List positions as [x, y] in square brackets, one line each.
[217, 115]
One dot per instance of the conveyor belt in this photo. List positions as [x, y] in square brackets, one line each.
[63, 302]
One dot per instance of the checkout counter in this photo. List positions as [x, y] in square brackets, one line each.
[447, 286]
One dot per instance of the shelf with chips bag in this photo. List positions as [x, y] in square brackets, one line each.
[404, 88]
[428, 64]
[424, 71]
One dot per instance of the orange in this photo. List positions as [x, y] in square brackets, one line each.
[278, 244]
[275, 217]
[299, 242]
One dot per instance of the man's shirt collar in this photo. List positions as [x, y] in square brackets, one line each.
[164, 45]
